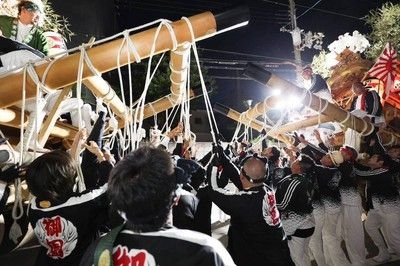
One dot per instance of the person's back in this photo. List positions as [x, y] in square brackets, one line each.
[143, 188]
[65, 222]
[251, 239]
[255, 234]
[169, 246]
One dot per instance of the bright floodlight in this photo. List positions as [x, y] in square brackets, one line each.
[276, 92]
[291, 102]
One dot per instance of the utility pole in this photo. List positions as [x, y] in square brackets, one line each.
[300, 39]
[296, 33]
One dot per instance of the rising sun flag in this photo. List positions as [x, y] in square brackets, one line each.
[386, 68]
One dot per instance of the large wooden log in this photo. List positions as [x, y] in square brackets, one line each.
[254, 124]
[296, 125]
[334, 112]
[179, 65]
[260, 108]
[309, 99]
[63, 71]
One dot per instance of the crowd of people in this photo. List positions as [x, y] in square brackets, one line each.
[290, 205]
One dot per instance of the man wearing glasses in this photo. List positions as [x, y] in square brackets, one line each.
[25, 29]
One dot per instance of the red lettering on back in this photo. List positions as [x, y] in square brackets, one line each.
[272, 209]
[121, 257]
[56, 248]
[52, 226]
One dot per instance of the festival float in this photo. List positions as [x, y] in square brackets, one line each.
[57, 74]
[342, 66]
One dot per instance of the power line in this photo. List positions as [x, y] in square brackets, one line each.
[302, 14]
[176, 7]
[316, 9]
[244, 54]
[305, 12]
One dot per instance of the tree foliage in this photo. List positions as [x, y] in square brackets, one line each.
[385, 24]
[161, 83]
[57, 23]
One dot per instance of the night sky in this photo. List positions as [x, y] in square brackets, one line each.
[261, 41]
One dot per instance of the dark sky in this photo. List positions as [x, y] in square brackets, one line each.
[262, 36]
[261, 40]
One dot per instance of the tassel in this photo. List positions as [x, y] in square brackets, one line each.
[15, 232]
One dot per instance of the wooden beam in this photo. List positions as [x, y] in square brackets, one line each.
[52, 117]
[334, 112]
[103, 57]
[296, 125]
[320, 105]
[254, 124]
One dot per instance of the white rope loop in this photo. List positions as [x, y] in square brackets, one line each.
[131, 45]
[210, 114]
[348, 115]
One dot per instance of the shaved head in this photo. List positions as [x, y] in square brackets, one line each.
[255, 168]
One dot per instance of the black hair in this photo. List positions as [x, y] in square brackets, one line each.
[306, 163]
[142, 187]
[28, 5]
[387, 161]
[276, 153]
[52, 176]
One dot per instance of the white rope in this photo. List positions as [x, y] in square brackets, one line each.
[173, 114]
[139, 111]
[346, 119]
[210, 114]
[21, 132]
[130, 129]
[188, 134]
[137, 116]
[154, 113]
[82, 59]
[166, 119]
[15, 230]
[236, 132]
[131, 46]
